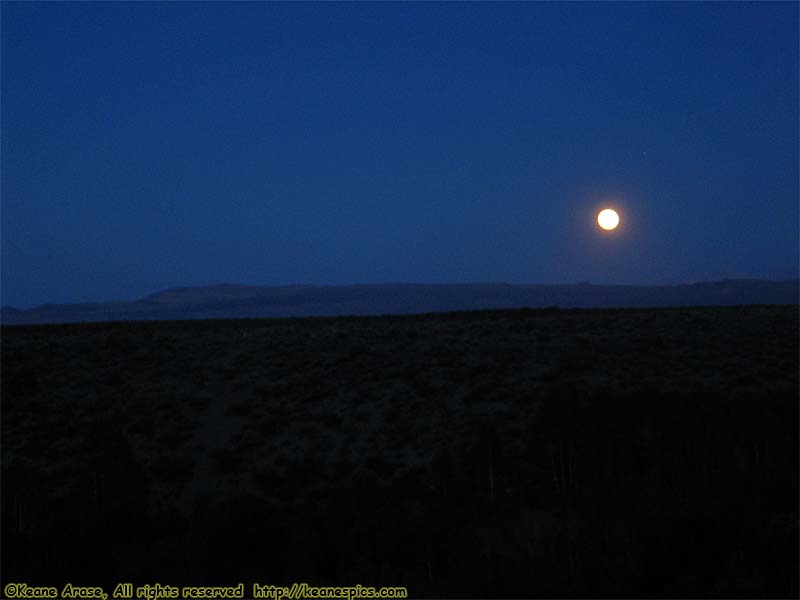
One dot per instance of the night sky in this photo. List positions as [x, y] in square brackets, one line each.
[151, 145]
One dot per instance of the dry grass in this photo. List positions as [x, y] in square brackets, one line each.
[165, 424]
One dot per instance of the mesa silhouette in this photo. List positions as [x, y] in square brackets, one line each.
[244, 301]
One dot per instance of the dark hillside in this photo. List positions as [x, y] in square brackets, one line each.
[518, 453]
[241, 301]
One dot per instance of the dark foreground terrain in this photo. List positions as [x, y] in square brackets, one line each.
[522, 453]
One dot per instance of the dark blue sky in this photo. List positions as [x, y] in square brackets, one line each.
[151, 145]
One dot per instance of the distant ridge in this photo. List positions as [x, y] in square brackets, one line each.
[246, 301]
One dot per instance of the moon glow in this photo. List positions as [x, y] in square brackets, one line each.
[608, 219]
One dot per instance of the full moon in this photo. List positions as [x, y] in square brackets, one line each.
[608, 219]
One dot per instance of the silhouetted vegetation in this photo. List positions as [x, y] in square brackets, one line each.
[531, 453]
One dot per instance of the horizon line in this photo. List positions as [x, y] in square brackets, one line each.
[395, 283]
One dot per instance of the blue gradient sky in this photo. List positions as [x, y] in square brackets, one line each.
[151, 145]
